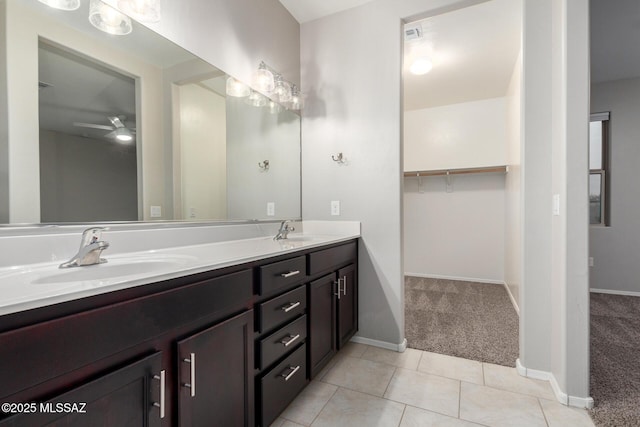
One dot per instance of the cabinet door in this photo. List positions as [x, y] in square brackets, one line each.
[123, 398]
[347, 304]
[215, 375]
[322, 325]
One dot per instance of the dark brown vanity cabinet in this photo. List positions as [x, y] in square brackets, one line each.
[101, 357]
[333, 302]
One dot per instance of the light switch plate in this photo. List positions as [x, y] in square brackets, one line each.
[155, 211]
[271, 208]
[335, 207]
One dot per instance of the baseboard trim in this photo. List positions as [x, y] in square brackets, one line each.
[463, 279]
[513, 300]
[612, 292]
[400, 348]
[562, 397]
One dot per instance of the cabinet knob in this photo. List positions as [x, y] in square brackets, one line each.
[160, 404]
[192, 376]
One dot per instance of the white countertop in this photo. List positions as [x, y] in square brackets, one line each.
[32, 286]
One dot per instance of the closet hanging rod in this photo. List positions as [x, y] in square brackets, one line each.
[461, 171]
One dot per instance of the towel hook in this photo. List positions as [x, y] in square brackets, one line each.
[264, 165]
[339, 159]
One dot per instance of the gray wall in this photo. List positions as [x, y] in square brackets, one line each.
[616, 249]
[86, 180]
[4, 116]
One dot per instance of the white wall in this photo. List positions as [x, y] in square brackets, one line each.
[458, 235]
[554, 302]
[4, 115]
[253, 136]
[203, 153]
[464, 135]
[513, 193]
[616, 249]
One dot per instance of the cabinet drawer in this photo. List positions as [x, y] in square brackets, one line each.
[281, 274]
[282, 341]
[328, 259]
[282, 384]
[282, 309]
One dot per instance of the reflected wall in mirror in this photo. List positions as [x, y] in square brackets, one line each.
[196, 150]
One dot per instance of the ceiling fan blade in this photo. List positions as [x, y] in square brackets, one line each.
[93, 126]
[111, 134]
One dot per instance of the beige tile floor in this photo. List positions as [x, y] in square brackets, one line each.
[367, 386]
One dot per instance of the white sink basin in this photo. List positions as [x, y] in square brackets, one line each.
[112, 269]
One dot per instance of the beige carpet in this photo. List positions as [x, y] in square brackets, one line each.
[472, 320]
[615, 360]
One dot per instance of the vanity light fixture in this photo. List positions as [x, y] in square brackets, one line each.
[141, 10]
[107, 19]
[274, 107]
[421, 66]
[62, 4]
[263, 79]
[237, 89]
[282, 89]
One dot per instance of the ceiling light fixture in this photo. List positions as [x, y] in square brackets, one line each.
[141, 10]
[421, 66]
[236, 88]
[123, 135]
[107, 19]
[62, 4]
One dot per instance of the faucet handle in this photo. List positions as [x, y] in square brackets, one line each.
[92, 235]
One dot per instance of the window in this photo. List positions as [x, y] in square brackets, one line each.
[599, 169]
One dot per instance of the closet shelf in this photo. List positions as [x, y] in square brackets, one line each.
[461, 171]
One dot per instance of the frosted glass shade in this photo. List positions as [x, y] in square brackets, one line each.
[281, 90]
[62, 4]
[107, 19]
[263, 79]
[256, 99]
[141, 10]
[237, 89]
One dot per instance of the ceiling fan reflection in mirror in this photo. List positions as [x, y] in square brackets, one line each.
[118, 131]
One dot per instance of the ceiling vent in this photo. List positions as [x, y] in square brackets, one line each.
[412, 32]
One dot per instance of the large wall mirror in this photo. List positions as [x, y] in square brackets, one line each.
[132, 128]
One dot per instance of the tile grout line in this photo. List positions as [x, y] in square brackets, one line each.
[459, 397]
[389, 383]
[325, 405]
[544, 416]
[402, 417]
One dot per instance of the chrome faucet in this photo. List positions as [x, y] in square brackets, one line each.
[284, 230]
[91, 248]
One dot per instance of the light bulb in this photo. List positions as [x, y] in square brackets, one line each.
[421, 66]
[237, 89]
[141, 10]
[107, 19]
[282, 89]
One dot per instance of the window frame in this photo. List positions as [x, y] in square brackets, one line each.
[605, 170]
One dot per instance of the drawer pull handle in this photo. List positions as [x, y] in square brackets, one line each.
[287, 376]
[290, 341]
[162, 396]
[344, 283]
[290, 274]
[290, 306]
[192, 384]
[338, 293]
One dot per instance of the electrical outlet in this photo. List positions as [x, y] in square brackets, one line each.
[155, 211]
[271, 208]
[192, 212]
[335, 207]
